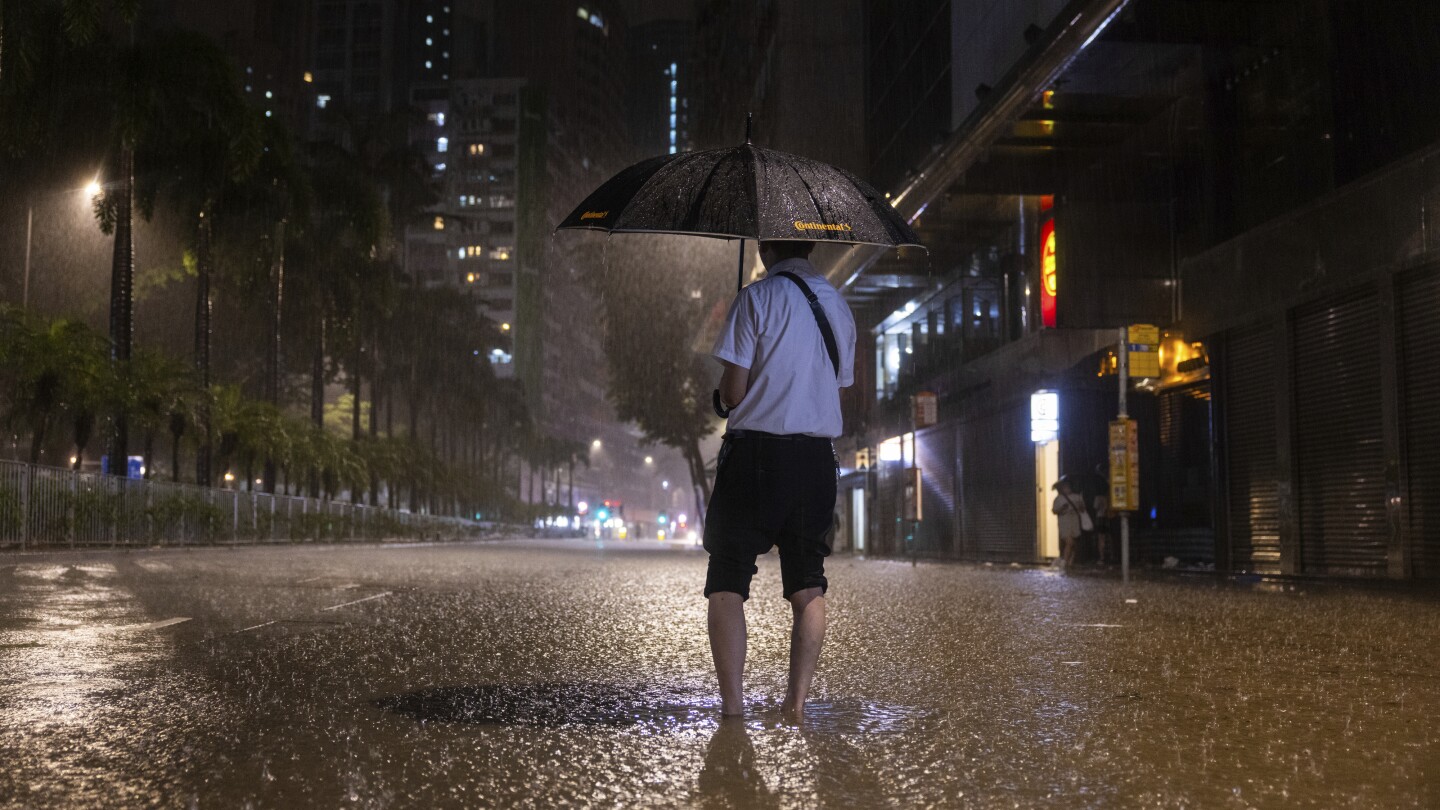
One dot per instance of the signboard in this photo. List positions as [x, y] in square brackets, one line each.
[1145, 334]
[1048, 270]
[913, 508]
[1124, 465]
[1044, 416]
[927, 409]
[1144, 349]
[862, 458]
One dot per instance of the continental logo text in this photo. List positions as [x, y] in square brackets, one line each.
[594, 215]
[801, 225]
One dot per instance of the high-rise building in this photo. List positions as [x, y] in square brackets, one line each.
[269, 41]
[661, 86]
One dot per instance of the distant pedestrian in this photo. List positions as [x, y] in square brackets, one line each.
[1069, 506]
[776, 474]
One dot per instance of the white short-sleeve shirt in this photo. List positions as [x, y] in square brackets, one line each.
[771, 331]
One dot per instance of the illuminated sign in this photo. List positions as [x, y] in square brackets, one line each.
[594, 215]
[1044, 416]
[1048, 273]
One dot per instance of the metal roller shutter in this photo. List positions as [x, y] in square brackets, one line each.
[1419, 309]
[935, 451]
[998, 486]
[1251, 471]
[1339, 440]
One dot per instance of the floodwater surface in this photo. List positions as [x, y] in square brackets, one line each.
[570, 674]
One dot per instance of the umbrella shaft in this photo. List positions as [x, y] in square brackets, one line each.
[740, 269]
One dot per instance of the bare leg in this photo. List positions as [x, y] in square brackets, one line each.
[807, 635]
[727, 645]
[1067, 551]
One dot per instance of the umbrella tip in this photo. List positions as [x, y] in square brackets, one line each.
[749, 122]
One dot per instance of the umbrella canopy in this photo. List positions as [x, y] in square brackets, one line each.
[742, 192]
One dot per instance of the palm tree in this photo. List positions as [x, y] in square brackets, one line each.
[182, 131]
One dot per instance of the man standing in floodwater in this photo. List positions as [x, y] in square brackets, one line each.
[776, 474]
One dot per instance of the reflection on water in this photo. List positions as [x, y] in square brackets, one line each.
[731, 777]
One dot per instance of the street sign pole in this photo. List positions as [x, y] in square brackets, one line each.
[1124, 375]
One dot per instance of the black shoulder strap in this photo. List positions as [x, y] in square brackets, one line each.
[824, 322]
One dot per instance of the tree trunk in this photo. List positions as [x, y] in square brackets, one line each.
[175, 454]
[317, 396]
[699, 482]
[122, 288]
[37, 439]
[202, 345]
[273, 347]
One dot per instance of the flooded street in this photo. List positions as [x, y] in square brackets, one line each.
[568, 674]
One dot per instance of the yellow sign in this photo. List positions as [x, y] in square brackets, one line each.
[1145, 334]
[801, 225]
[862, 458]
[1144, 364]
[1124, 465]
[594, 215]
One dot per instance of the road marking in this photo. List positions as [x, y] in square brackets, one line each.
[155, 625]
[311, 579]
[357, 601]
[1094, 625]
[255, 627]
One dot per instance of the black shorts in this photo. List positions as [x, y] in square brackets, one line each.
[771, 491]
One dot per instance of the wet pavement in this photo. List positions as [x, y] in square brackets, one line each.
[566, 674]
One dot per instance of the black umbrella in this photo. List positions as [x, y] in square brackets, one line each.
[742, 192]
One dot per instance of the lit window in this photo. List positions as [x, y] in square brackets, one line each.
[267, 113]
[462, 200]
[429, 64]
[442, 145]
[504, 327]
[469, 278]
[673, 84]
[461, 253]
[429, 18]
[269, 94]
[672, 104]
[429, 41]
[672, 121]
[500, 254]
[674, 69]
[439, 223]
[248, 88]
[321, 101]
[582, 13]
[439, 167]
[596, 21]
[477, 148]
[308, 77]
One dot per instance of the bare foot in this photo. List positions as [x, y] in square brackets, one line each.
[792, 713]
[728, 710]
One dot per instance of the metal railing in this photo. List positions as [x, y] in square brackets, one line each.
[49, 507]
